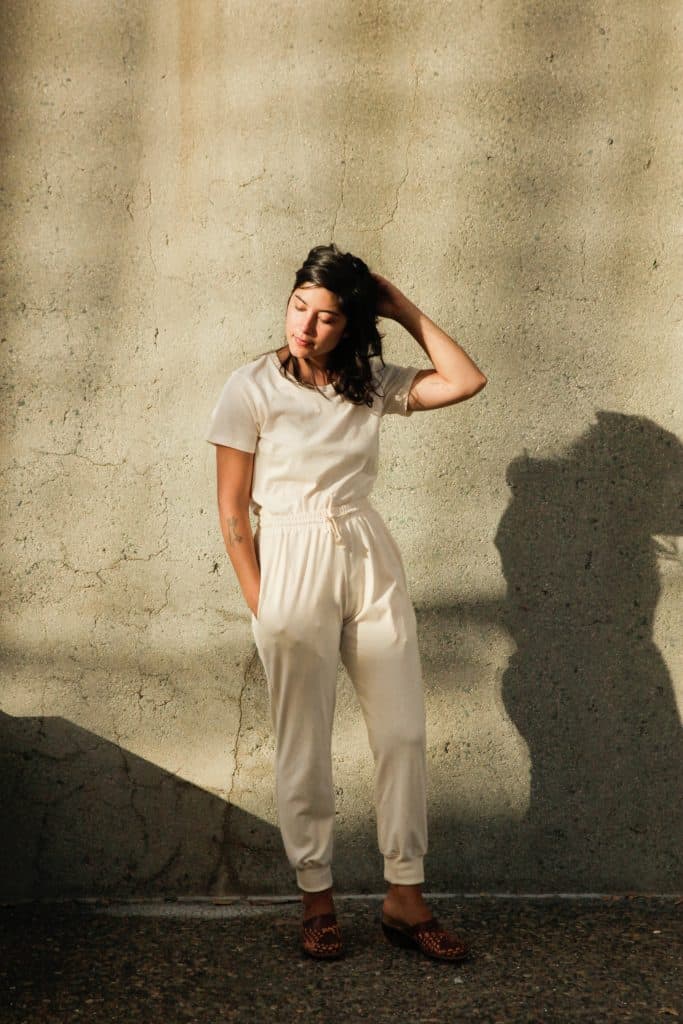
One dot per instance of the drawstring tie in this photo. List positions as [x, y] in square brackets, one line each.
[329, 514]
[331, 517]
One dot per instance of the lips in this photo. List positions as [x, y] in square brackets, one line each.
[302, 342]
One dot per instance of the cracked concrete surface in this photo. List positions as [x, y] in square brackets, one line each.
[409, 131]
[225, 877]
[513, 167]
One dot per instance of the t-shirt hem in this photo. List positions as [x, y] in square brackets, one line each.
[231, 443]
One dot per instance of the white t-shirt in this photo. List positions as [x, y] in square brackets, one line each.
[309, 448]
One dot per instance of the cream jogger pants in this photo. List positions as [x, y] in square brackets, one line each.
[332, 581]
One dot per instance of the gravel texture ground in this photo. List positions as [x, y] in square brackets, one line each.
[207, 962]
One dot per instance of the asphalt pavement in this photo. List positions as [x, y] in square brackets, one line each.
[534, 959]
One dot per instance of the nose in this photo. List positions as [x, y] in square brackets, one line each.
[308, 322]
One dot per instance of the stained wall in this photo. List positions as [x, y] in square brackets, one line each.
[514, 167]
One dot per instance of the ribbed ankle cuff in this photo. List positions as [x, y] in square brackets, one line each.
[314, 879]
[404, 872]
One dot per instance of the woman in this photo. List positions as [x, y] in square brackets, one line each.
[296, 433]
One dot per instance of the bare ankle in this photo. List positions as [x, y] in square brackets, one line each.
[317, 900]
[405, 893]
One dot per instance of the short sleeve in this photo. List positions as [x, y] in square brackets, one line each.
[233, 419]
[395, 385]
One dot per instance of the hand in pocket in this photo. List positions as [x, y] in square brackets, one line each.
[253, 600]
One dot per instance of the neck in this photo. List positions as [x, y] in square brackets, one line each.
[312, 371]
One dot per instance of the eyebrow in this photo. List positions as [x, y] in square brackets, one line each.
[332, 312]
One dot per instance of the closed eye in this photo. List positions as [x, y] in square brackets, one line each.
[300, 306]
[329, 320]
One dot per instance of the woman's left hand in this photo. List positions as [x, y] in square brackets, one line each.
[391, 302]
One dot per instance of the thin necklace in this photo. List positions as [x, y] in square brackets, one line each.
[310, 383]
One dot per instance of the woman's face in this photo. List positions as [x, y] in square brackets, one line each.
[314, 323]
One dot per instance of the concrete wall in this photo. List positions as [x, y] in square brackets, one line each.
[515, 167]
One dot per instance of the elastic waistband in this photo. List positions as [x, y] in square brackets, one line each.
[328, 514]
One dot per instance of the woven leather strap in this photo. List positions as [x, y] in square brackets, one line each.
[321, 934]
[436, 940]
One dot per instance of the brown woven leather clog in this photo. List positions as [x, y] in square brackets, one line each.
[426, 936]
[321, 937]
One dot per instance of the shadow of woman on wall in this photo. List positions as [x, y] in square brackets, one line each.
[587, 687]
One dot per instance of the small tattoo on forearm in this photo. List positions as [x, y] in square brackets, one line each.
[233, 536]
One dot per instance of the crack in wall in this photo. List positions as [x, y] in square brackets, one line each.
[158, 703]
[224, 875]
[342, 186]
[164, 540]
[134, 786]
[137, 813]
[235, 752]
[86, 458]
[96, 572]
[406, 171]
[250, 181]
[165, 867]
[73, 452]
[150, 247]
[344, 161]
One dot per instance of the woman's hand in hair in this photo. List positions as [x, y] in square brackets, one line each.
[391, 302]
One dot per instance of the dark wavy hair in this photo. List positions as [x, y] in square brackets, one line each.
[349, 363]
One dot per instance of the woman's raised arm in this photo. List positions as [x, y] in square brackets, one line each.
[455, 376]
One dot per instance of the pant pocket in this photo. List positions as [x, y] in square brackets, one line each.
[258, 548]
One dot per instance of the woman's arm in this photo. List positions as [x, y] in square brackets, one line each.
[234, 470]
[455, 376]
